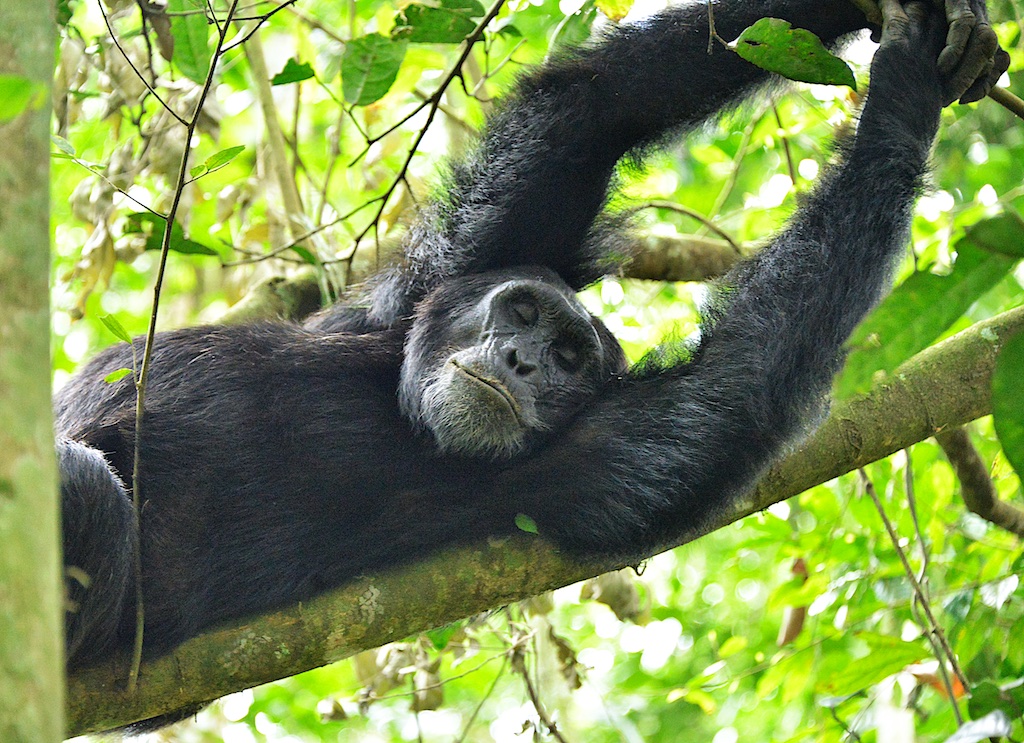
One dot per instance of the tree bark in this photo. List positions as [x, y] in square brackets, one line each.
[31, 591]
[946, 385]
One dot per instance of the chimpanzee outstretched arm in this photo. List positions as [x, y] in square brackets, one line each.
[530, 191]
[705, 430]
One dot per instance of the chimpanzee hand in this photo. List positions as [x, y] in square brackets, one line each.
[971, 61]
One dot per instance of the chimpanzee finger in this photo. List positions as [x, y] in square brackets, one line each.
[982, 86]
[895, 22]
[976, 63]
[961, 20]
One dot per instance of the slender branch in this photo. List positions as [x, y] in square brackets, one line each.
[147, 354]
[434, 104]
[518, 660]
[261, 20]
[976, 486]
[706, 221]
[935, 629]
[152, 90]
[1008, 100]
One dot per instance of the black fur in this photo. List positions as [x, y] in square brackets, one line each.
[277, 461]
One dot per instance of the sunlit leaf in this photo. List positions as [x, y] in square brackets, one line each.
[114, 326]
[117, 375]
[222, 158]
[369, 68]
[1008, 400]
[440, 636]
[449, 22]
[525, 523]
[993, 725]
[615, 9]
[915, 314]
[774, 45]
[192, 50]
[888, 655]
[293, 72]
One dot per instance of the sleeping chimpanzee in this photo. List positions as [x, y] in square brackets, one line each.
[470, 386]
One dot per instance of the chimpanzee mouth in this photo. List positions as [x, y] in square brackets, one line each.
[495, 387]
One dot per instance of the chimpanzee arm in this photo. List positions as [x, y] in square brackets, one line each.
[530, 191]
[666, 448]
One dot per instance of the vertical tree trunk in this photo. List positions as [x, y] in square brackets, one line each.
[31, 593]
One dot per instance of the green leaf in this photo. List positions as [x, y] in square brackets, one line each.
[1003, 234]
[774, 45]
[888, 655]
[915, 314]
[305, 255]
[115, 327]
[222, 158]
[1008, 400]
[152, 226]
[63, 145]
[192, 50]
[369, 68]
[64, 12]
[293, 72]
[117, 375]
[440, 636]
[986, 697]
[197, 171]
[448, 22]
[525, 523]
[18, 94]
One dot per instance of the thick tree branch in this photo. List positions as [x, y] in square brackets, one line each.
[976, 486]
[657, 257]
[901, 410]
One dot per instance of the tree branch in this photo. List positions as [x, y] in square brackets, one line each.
[976, 487]
[901, 410]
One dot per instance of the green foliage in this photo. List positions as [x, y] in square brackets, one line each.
[293, 72]
[370, 68]
[918, 312]
[447, 22]
[795, 53]
[1008, 401]
[192, 52]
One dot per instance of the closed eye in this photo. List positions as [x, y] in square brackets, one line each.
[525, 312]
[567, 357]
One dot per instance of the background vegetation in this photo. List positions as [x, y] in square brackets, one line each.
[799, 623]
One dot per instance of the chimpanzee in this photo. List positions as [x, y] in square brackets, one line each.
[469, 385]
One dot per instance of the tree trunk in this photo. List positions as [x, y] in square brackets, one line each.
[31, 592]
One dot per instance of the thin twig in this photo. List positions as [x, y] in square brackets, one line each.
[785, 145]
[147, 354]
[434, 104]
[934, 627]
[113, 37]
[672, 206]
[519, 666]
[262, 19]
